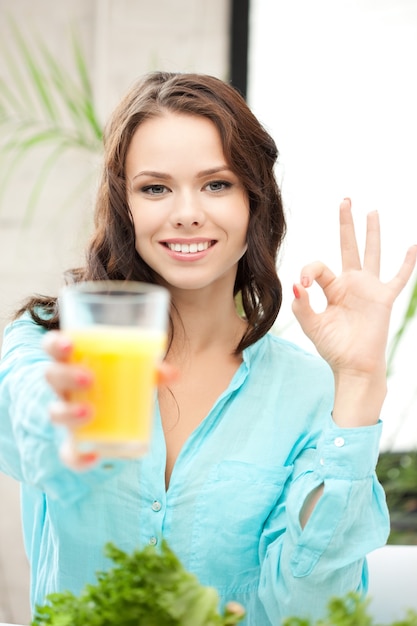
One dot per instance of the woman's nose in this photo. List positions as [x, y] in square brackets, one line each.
[187, 211]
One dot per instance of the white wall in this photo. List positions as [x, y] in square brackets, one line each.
[335, 83]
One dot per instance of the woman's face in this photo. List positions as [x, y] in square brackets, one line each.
[190, 211]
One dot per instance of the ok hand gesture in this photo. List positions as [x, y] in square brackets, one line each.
[351, 333]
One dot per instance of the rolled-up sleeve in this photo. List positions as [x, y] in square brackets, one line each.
[349, 520]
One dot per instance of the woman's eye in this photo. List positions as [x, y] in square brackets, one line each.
[154, 190]
[218, 185]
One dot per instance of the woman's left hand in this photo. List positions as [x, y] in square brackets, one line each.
[351, 333]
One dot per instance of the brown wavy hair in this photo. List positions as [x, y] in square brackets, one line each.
[250, 152]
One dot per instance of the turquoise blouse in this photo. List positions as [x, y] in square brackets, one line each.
[231, 512]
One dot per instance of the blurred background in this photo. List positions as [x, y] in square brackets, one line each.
[334, 83]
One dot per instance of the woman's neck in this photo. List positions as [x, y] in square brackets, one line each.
[202, 324]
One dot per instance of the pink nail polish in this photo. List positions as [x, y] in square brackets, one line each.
[90, 457]
[65, 346]
[84, 380]
[296, 292]
[81, 412]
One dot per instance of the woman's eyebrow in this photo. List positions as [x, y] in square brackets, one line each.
[152, 174]
[214, 170]
[208, 172]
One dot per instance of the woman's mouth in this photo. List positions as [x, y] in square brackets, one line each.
[189, 248]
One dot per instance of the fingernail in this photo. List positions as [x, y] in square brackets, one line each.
[81, 411]
[65, 345]
[305, 281]
[83, 379]
[296, 292]
[89, 457]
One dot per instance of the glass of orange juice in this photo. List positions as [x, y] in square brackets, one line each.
[119, 332]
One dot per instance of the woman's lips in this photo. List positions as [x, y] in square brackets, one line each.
[186, 248]
[193, 249]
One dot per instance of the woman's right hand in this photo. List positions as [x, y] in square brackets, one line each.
[65, 377]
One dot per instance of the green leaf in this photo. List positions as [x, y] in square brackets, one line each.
[44, 172]
[37, 76]
[409, 315]
[22, 96]
[149, 587]
[43, 104]
[76, 97]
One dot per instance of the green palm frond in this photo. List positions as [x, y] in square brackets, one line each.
[409, 315]
[44, 107]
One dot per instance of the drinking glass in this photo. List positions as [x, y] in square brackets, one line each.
[119, 332]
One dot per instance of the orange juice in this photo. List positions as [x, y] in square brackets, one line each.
[123, 361]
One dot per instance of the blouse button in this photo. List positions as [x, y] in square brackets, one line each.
[339, 442]
[153, 541]
[156, 506]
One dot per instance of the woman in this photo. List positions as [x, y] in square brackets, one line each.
[261, 470]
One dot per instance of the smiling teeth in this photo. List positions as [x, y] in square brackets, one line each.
[186, 248]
